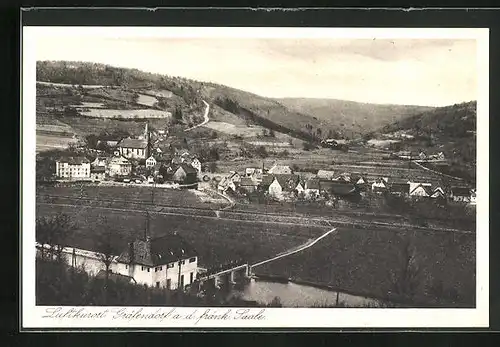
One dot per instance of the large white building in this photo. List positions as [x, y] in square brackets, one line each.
[73, 168]
[162, 262]
[133, 148]
[118, 166]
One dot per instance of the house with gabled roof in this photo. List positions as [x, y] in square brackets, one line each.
[420, 190]
[438, 192]
[312, 188]
[248, 185]
[134, 148]
[168, 262]
[151, 162]
[380, 185]
[280, 170]
[185, 174]
[284, 184]
[118, 166]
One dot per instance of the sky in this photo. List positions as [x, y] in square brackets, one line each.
[434, 72]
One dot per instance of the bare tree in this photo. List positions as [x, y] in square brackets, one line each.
[406, 278]
[54, 232]
[105, 251]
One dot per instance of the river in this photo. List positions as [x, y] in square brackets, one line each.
[298, 295]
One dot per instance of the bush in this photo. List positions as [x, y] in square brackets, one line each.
[262, 152]
[307, 146]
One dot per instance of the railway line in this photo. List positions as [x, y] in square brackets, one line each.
[341, 218]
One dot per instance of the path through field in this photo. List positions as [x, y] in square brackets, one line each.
[205, 116]
[300, 249]
[436, 172]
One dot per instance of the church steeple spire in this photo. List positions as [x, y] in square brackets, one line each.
[147, 139]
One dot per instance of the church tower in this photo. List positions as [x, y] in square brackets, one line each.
[147, 139]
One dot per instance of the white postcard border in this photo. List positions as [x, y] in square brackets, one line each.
[271, 317]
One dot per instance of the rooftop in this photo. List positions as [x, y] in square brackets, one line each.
[133, 143]
[158, 251]
[74, 160]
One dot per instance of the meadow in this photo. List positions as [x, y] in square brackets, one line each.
[125, 114]
[216, 241]
[363, 261]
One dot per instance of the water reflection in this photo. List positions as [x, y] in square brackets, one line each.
[297, 295]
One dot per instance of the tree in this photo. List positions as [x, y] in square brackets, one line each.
[318, 132]
[262, 152]
[53, 231]
[91, 141]
[105, 251]
[212, 167]
[406, 278]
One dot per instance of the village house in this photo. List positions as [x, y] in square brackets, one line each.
[325, 175]
[380, 185]
[118, 166]
[133, 148]
[98, 173]
[280, 170]
[346, 177]
[399, 189]
[312, 188]
[184, 157]
[438, 192]
[437, 156]
[283, 186]
[254, 173]
[185, 174]
[99, 161]
[248, 185]
[359, 180]
[163, 262]
[300, 188]
[150, 162]
[460, 194]
[337, 188]
[108, 140]
[473, 197]
[225, 184]
[414, 185]
[422, 155]
[229, 182]
[420, 190]
[73, 168]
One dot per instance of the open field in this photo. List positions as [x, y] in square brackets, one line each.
[216, 241]
[362, 261]
[87, 125]
[231, 129]
[146, 100]
[134, 194]
[46, 142]
[85, 86]
[125, 114]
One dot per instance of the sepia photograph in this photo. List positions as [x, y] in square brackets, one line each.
[221, 175]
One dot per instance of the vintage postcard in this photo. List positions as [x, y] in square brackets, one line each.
[187, 177]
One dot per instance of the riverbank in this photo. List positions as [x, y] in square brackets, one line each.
[371, 300]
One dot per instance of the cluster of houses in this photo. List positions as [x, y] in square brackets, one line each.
[132, 157]
[281, 183]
